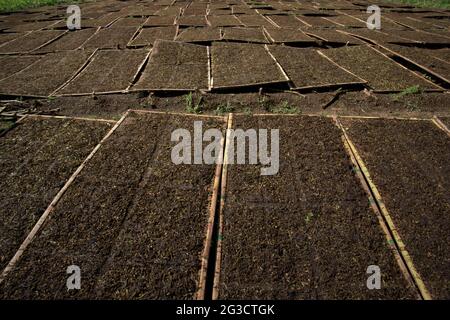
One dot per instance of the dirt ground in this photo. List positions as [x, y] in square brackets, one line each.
[357, 103]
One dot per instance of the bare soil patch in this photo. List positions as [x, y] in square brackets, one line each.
[32, 26]
[170, 9]
[446, 121]
[317, 22]
[46, 75]
[289, 35]
[381, 73]
[333, 36]
[413, 36]
[192, 21]
[411, 22]
[175, 66]
[115, 38]
[346, 21]
[105, 106]
[129, 22]
[12, 64]
[156, 21]
[103, 21]
[6, 37]
[443, 54]
[422, 105]
[199, 34]
[255, 35]
[307, 68]
[147, 36]
[253, 20]
[106, 72]
[220, 11]
[111, 106]
[70, 41]
[386, 24]
[378, 37]
[30, 41]
[235, 65]
[424, 58]
[195, 9]
[242, 10]
[223, 21]
[286, 21]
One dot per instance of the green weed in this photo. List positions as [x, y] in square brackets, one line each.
[191, 106]
[408, 91]
[286, 108]
[224, 108]
[308, 217]
[15, 5]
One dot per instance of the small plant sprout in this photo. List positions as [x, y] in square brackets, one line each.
[224, 108]
[247, 111]
[308, 217]
[265, 104]
[412, 105]
[192, 107]
[286, 108]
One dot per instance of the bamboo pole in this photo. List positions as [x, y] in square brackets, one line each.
[216, 284]
[200, 295]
